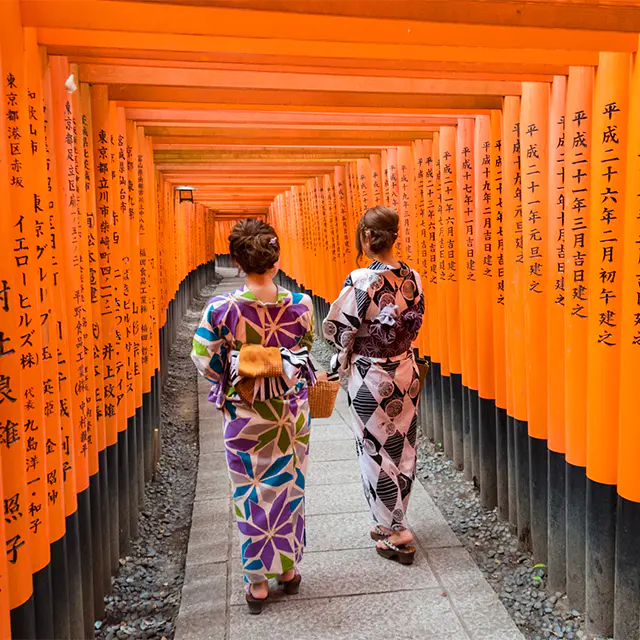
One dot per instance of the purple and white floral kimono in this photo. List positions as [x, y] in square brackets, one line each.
[267, 442]
[372, 325]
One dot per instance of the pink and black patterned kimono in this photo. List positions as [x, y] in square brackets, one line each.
[372, 325]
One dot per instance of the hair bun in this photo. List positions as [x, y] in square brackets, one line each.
[254, 245]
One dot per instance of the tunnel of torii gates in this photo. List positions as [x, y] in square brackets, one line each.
[507, 136]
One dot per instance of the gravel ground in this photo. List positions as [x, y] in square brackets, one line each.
[514, 576]
[146, 592]
[519, 583]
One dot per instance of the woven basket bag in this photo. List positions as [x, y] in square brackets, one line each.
[322, 398]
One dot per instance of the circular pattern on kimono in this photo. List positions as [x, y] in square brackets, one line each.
[386, 299]
[369, 447]
[346, 339]
[398, 515]
[377, 282]
[330, 328]
[390, 428]
[402, 482]
[414, 389]
[385, 388]
[408, 289]
[394, 408]
[404, 270]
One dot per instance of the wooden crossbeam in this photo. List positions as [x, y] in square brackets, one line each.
[564, 14]
[64, 37]
[168, 19]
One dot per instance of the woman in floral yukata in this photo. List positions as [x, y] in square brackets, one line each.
[265, 418]
[372, 325]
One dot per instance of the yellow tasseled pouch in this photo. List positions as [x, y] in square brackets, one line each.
[256, 361]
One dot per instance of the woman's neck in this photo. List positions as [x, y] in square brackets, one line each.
[262, 286]
[386, 258]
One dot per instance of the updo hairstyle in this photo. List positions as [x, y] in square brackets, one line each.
[379, 226]
[254, 246]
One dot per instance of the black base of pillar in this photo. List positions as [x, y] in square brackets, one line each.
[513, 488]
[557, 529]
[466, 433]
[86, 561]
[134, 498]
[521, 438]
[538, 469]
[447, 429]
[103, 477]
[600, 548]
[627, 584]
[23, 621]
[457, 427]
[436, 404]
[502, 464]
[487, 445]
[474, 428]
[113, 522]
[43, 602]
[97, 545]
[123, 491]
[576, 492]
[60, 587]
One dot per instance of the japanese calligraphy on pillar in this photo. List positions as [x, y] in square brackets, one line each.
[12, 440]
[535, 165]
[497, 206]
[104, 238]
[606, 226]
[556, 274]
[406, 211]
[394, 195]
[30, 256]
[48, 445]
[608, 222]
[376, 180]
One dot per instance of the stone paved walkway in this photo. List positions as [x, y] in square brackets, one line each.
[347, 590]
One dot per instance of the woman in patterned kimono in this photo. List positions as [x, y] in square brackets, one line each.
[265, 419]
[372, 325]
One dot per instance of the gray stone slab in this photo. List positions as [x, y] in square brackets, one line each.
[406, 615]
[475, 601]
[206, 512]
[212, 483]
[335, 472]
[343, 573]
[212, 462]
[330, 431]
[330, 532]
[457, 570]
[207, 410]
[426, 521]
[344, 412]
[328, 498]
[211, 445]
[203, 610]
[209, 542]
[328, 450]
[484, 615]
[211, 426]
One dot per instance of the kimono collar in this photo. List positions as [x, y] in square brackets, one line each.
[376, 265]
[246, 296]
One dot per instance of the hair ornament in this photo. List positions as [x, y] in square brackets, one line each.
[273, 240]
